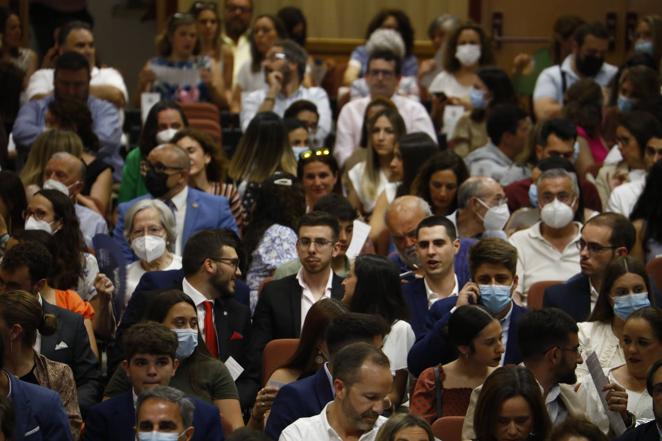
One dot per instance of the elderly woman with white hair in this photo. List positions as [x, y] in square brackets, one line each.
[150, 229]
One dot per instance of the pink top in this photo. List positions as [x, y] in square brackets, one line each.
[598, 149]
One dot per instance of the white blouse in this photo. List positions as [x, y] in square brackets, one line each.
[598, 337]
[397, 344]
[355, 175]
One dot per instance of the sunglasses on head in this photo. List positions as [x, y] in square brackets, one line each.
[324, 151]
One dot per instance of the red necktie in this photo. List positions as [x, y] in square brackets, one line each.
[210, 331]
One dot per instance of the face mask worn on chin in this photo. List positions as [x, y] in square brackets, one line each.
[589, 65]
[556, 214]
[52, 184]
[494, 297]
[32, 223]
[159, 436]
[156, 183]
[629, 303]
[477, 98]
[164, 136]
[468, 54]
[187, 342]
[496, 217]
[624, 103]
[644, 46]
[148, 248]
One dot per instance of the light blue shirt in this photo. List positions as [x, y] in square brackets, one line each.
[91, 223]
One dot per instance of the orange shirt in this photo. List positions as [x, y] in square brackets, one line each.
[71, 301]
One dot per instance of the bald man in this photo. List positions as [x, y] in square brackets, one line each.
[66, 173]
[476, 197]
[166, 175]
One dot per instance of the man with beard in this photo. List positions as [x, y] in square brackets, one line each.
[361, 382]
[71, 79]
[284, 303]
[285, 66]
[236, 34]
[166, 173]
[587, 60]
[649, 431]
[208, 275]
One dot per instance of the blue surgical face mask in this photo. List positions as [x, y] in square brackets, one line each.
[477, 98]
[494, 297]
[624, 103]
[159, 436]
[533, 195]
[629, 303]
[299, 150]
[187, 342]
[644, 46]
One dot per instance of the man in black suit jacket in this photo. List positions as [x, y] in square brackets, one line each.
[604, 238]
[26, 267]
[283, 304]
[209, 272]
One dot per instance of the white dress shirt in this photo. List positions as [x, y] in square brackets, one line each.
[350, 122]
[308, 298]
[179, 200]
[318, 428]
[599, 337]
[199, 299]
[623, 198]
[433, 296]
[241, 51]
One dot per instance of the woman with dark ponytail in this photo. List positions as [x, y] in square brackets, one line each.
[21, 316]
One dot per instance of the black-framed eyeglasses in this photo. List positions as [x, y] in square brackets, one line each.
[324, 151]
[592, 247]
[146, 166]
[233, 262]
[318, 242]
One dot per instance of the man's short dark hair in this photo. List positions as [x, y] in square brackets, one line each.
[577, 428]
[295, 54]
[318, 219]
[32, 255]
[493, 251]
[563, 128]
[206, 244]
[438, 221]
[542, 329]
[71, 61]
[70, 26]
[503, 118]
[149, 338]
[299, 106]
[336, 205]
[596, 29]
[353, 327]
[387, 56]
[347, 362]
[623, 233]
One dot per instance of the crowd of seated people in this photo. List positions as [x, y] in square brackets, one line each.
[415, 250]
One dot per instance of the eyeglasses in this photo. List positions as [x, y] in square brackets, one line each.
[548, 198]
[37, 213]
[146, 166]
[234, 263]
[383, 72]
[305, 242]
[592, 247]
[315, 153]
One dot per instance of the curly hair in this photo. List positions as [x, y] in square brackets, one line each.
[451, 64]
[583, 105]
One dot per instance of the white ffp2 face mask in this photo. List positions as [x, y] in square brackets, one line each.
[52, 184]
[33, 223]
[468, 54]
[148, 248]
[164, 136]
[556, 214]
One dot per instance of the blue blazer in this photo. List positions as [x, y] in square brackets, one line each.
[303, 398]
[416, 298]
[433, 348]
[39, 413]
[643, 432]
[573, 296]
[203, 211]
[114, 420]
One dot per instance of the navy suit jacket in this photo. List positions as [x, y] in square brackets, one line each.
[643, 432]
[203, 212]
[433, 348]
[39, 413]
[70, 345]
[303, 398]
[573, 296]
[115, 419]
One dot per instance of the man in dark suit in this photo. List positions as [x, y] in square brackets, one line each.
[604, 238]
[166, 173]
[150, 361]
[284, 303]
[436, 247]
[307, 397]
[208, 276]
[493, 264]
[26, 267]
[649, 431]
